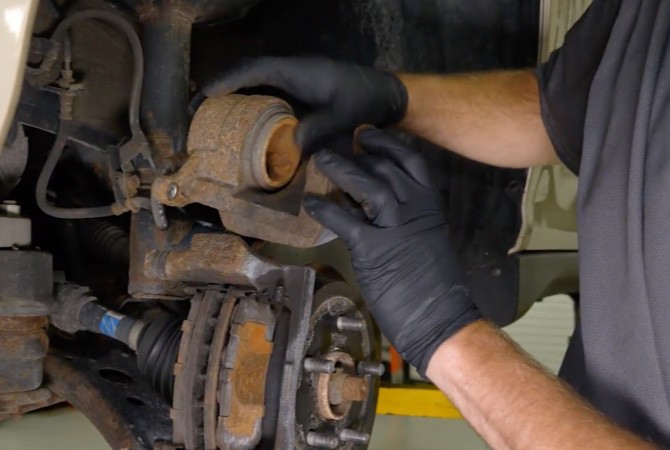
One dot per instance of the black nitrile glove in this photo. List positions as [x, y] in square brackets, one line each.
[345, 95]
[404, 262]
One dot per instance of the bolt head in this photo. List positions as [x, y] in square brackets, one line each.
[172, 191]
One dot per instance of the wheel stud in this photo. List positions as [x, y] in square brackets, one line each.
[322, 440]
[371, 368]
[354, 436]
[316, 365]
[350, 323]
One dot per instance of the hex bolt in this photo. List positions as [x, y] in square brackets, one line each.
[371, 368]
[348, 435]
[172, 191]
[319, 365]
[350, 324]
[278, 296]
[322, 440]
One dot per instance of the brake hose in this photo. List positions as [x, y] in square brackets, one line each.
[136, 46]
[64, 126]
[45, 176]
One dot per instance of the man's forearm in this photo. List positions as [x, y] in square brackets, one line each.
[489, 117]
[512, 402]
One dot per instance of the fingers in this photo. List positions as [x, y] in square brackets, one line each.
[311, 80]
[376, 198]
[308, 79]
[295, 76]
[340, 222]
[319, 125]
[387, 172]
[385, 144]
[255, 72]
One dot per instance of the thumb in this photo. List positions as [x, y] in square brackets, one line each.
[340, 222]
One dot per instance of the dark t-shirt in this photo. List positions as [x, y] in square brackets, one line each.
[606, 105]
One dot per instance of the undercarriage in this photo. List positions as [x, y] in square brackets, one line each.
[159, 272]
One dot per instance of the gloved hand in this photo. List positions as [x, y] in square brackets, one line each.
[344, 95]
[404, 262]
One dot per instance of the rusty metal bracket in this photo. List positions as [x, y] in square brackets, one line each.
[114, 395]
[213, 259]
[243, 162]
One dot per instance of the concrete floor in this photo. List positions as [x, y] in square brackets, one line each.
[67, 429]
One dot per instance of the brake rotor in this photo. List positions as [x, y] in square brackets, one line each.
[191, 370]
[224, 370]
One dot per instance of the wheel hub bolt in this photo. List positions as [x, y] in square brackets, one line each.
[348, 435]
[322, 440]
[172, 191]
[350, 323]
[371, 368]
[316, 365]
[344, 388]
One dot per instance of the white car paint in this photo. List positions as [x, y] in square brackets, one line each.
[16, 23]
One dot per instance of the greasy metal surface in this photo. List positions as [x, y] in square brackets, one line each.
[111, 392]
[217, 349]
[244, 375]
[26, 282]
[23, 346]
[212, 258]
[166, 41]
[224, 140]
[191, 369]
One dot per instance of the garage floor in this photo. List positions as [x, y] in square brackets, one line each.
[67, 429]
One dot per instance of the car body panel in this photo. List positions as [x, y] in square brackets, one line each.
[549, 214]
[16, 22]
